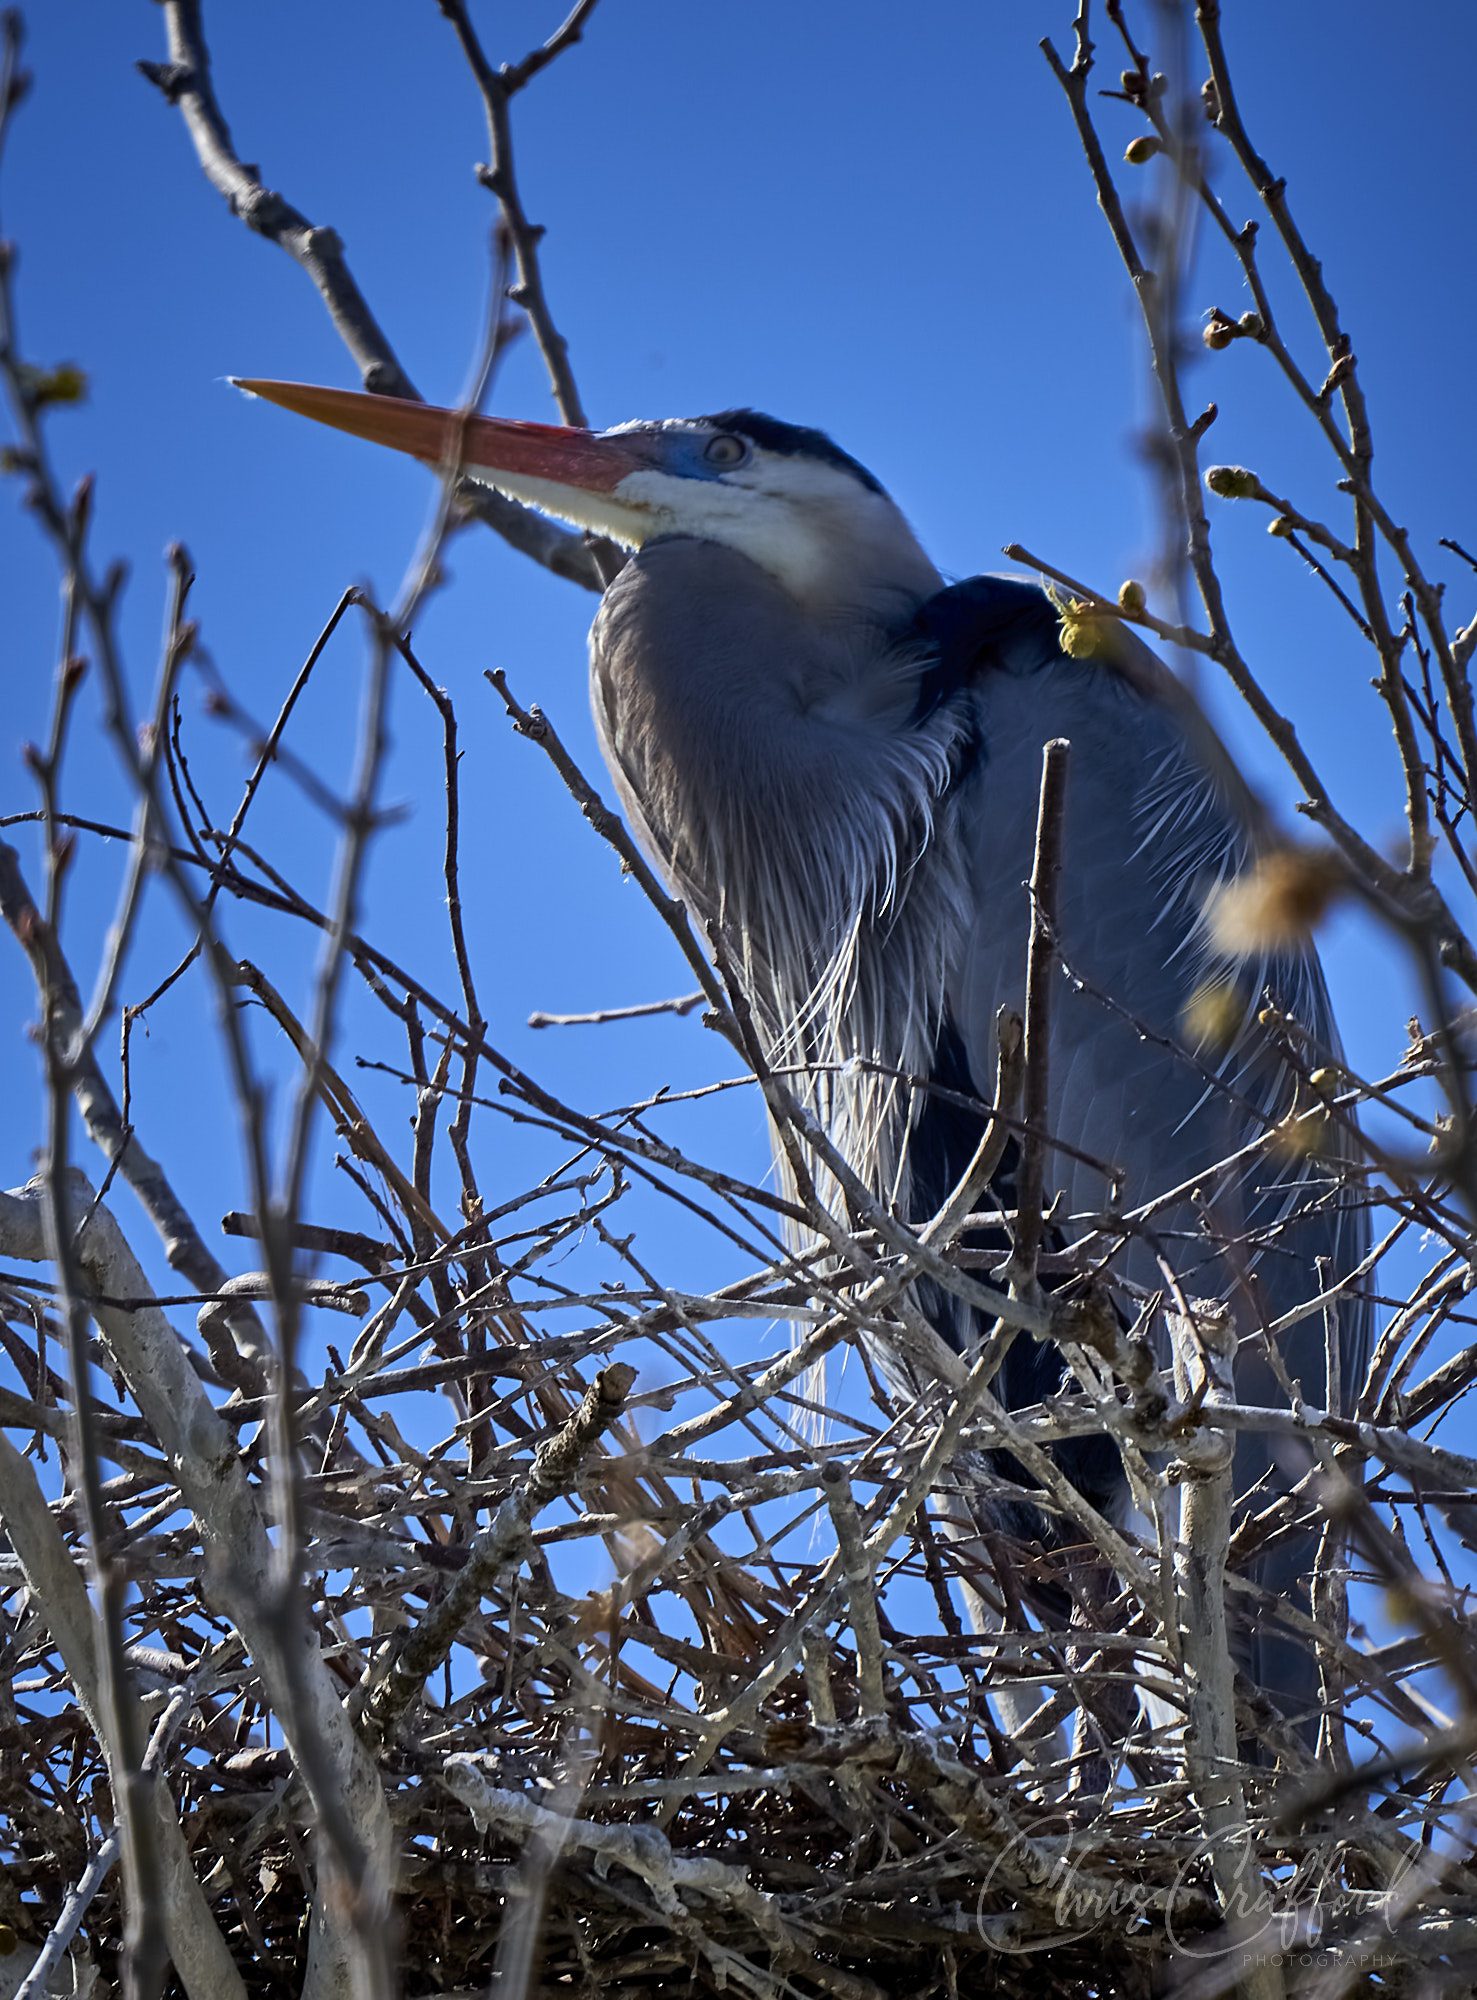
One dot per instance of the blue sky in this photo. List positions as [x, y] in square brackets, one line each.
[872, 219]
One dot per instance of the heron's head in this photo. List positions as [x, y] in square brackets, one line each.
[784, 496]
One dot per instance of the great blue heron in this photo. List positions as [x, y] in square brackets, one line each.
[835, 758]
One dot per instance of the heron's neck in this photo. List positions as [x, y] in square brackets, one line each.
[773, 763]
[726, 704]
[769, 755]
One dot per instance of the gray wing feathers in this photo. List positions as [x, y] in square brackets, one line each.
[1138, 1103]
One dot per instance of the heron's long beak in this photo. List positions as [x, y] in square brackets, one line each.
[571, 473]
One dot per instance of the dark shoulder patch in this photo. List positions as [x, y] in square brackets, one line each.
[985, 621]
[985, 612]
[794, 440]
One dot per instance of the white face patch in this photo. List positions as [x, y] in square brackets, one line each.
[823, 536]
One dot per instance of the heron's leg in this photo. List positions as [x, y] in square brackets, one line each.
[1164, 1718]
[1109, 1700]
[1024, 1707]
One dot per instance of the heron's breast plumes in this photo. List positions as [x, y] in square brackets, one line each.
[771, 766]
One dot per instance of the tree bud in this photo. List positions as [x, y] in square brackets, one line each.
[1232, 482]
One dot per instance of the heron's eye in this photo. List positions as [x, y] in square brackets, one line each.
[725, 450]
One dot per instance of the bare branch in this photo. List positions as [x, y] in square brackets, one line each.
[186, 82]
[344, 1784]
[499, 177]
[200, 1954]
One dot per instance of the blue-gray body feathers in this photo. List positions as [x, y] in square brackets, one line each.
[854, 802]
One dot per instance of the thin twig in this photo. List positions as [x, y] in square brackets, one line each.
[1040, 969]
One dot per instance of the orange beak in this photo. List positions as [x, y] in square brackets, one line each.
[452, 439]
